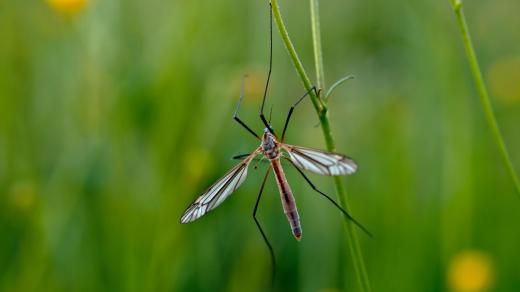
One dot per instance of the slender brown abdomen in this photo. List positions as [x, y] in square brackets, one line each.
[288, 203]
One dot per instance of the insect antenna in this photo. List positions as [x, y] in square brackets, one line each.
[262, 117]
[270, 114]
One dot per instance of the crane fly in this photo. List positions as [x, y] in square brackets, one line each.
[303, 158]
[274, 149]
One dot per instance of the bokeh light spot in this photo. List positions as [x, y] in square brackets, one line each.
[504, 80]
[23, 195]
[471, 271]
[254, 84]
[67, 7]
[197, 160]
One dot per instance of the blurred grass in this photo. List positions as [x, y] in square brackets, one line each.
[481, 87]
[113, 118]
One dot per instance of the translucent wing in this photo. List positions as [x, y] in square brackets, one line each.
[219, 191]
[319, 161]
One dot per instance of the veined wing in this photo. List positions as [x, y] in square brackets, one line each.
[319, 161]
[219, 191]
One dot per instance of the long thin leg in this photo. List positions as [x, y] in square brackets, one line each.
[240, 156]
[235, 115]
[331, 200]
[262, 117]
[292, 109]
[273, 262]
[257, 159]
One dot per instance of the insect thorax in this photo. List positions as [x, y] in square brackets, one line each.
[270, 146]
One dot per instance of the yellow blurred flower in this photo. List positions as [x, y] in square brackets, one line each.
[196, 164]
[67, 7]
[254, 84]
[504, 80]
[471, 271]
[23, 195]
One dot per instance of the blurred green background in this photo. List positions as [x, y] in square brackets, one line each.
[115, 115]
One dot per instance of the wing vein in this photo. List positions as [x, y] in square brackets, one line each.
[319, 161]
[219, 190]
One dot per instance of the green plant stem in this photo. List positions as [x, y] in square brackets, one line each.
[321, 109]
[316, 102]
[481, 88]
[316, 42]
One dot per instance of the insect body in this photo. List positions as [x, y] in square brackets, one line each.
[271, 150]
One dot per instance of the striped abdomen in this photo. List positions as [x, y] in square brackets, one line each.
[289, 205]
